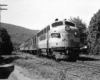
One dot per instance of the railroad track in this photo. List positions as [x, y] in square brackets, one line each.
[88, 66]
[65, 65]
[69, 65]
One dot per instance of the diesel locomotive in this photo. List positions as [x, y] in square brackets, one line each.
[60, 39]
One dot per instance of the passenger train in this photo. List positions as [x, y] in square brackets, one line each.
[60, 39]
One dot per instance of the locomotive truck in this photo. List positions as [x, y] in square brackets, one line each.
[60, 39]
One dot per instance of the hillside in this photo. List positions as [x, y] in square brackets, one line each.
[18, 34]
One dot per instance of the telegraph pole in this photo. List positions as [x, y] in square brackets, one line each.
[1, 10]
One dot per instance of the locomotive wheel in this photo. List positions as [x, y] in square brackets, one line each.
[57, 56]
[51, 54]
[30, 51]
[34, 52]
[48, 53]
[39, 52]
[67, 55]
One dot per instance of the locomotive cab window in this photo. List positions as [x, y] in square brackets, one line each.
[70, 24]
[57, 24]
[55, 35]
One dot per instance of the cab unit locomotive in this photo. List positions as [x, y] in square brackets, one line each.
[58, 38]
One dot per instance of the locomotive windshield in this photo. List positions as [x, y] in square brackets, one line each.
[57, 24]
[70, 24]
[55, 35]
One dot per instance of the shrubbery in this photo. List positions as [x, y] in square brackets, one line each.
[82, 29]
[6, 46]
[94, 34]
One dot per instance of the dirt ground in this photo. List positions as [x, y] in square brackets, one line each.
[40, 68]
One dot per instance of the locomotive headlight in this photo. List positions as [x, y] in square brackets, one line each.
[67, 28]
[76, 34]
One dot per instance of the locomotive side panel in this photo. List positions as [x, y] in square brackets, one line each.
[43, 38]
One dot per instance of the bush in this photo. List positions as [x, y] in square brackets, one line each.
[94, 34]
[6, 46]
[82, 29]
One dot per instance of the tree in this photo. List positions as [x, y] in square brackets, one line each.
[79, 24]
[94, 34]
[6, 46]
[82, 29]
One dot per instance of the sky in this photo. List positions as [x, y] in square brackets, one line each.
[37, 14]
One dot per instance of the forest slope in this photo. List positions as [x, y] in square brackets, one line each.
[18, 34]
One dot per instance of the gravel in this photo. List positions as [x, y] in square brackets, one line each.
[48, 69]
